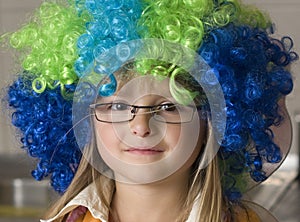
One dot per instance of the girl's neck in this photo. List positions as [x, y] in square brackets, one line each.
[160, 201]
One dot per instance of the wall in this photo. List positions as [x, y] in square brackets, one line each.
[12, 14]
[285, 13]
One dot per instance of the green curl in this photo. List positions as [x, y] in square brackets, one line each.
[174, 20]
[47, 45]
[180, 93]
[187, 22]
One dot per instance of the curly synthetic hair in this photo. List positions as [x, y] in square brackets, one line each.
[111, 22]
[44, 121]
[188, 22]
[48, 45]
[251, 68]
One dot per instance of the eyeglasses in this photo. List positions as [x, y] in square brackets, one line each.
[122, 112]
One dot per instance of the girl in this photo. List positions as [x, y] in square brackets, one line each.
[152, 110]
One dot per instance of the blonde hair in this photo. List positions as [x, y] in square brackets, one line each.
[85, 175]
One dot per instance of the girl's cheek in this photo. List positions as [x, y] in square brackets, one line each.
[106, 133]
[172, 134]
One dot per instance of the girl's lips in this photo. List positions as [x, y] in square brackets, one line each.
[144, 151]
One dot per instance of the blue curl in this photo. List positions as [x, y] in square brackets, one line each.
[45, 121]
[253, 75]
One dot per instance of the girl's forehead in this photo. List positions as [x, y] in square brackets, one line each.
[143, 86]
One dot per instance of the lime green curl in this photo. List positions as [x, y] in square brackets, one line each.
[177, 21]
[187, 22]
[47, 45]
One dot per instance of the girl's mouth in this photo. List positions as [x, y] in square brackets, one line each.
[144, 151]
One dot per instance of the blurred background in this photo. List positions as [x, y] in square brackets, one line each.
[22, 199]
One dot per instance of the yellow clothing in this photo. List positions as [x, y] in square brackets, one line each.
[88, 217]
[245, 215]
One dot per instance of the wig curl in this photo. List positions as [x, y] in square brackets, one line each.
[112, 22]
[251, 70]
[45, 124]
[48, 46]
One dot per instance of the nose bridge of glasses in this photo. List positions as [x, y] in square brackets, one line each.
[136, 110]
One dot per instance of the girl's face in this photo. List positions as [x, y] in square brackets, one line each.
[142, 147]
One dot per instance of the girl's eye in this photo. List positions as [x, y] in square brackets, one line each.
[119, 106]
[170, 107]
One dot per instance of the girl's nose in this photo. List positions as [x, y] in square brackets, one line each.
[140, 125]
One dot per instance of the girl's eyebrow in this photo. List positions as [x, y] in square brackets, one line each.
[105, 99]
[123, 99]
[112, 99]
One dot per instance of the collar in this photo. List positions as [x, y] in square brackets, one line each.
[89, 199]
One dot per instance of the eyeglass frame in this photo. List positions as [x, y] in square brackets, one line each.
[135, 107]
